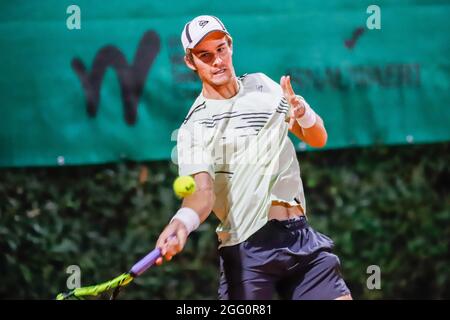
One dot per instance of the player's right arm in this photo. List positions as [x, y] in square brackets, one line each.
[201, 202]
[194, 159]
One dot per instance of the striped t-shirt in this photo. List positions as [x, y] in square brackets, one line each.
[243, 143]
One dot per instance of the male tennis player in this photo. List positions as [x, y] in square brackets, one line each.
[234, 142]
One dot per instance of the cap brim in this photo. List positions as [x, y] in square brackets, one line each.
[192, 45]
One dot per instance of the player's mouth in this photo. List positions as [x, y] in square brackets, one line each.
[219, 72]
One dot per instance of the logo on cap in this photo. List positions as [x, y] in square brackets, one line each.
[203, 23]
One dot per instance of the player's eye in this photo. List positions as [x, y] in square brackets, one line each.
[223, 49]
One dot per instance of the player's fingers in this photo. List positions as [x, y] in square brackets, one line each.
[283, 85]
[182, 238]
[291, 122]
[163, 237]
[168, 257]
[164, 247]
[160, 243]
[172, 246]
[159, 261]
[289, 86]
[297, 105]
[163, 250]
[165, 253]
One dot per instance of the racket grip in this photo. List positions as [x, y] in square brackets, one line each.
[145, 263]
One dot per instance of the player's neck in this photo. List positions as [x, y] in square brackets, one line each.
[223, 92]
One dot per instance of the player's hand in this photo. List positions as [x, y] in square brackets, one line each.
[172, 240]
[297, 106]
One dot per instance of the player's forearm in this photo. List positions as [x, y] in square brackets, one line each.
[201, 201]
[315, 136]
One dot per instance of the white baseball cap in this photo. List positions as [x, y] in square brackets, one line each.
[194, 31]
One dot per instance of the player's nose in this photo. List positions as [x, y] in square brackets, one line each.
[217, 61]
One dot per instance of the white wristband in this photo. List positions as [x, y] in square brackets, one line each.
[188, 217]
[309, 117]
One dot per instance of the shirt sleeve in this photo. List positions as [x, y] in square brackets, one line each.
[192, 151]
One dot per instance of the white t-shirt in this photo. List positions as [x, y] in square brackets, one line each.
[243, 143]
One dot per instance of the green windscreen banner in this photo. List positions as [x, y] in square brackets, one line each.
[86, 82]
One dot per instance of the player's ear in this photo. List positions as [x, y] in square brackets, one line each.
[230, 44]
[188, 59]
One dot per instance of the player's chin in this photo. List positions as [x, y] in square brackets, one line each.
[220, 79]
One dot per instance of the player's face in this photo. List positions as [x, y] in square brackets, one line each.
[212, 59]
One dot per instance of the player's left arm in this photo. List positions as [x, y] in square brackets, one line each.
[313, 132]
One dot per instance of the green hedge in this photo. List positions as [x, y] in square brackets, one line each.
[383, 206]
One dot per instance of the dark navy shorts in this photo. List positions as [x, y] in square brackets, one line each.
[284, 257]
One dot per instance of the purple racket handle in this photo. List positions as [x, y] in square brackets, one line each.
[145, 263]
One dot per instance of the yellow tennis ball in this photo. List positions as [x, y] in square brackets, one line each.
[184, 186]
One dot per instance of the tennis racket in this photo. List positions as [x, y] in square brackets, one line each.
[115, 284]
